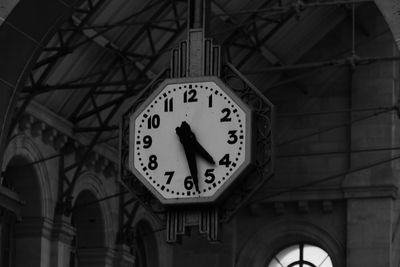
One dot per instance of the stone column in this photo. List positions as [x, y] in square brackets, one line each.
[369, 232]
[123, 257]
[95, 257]
[62, 235]
[32, 242]
[371, 190]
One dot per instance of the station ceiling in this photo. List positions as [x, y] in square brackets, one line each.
[109, 51]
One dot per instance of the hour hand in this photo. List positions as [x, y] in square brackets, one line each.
[203, 152]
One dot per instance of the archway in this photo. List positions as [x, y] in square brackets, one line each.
[27, 238]
[20, 176]
[89, 243]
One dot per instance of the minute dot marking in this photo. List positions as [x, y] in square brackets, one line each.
[211, 89]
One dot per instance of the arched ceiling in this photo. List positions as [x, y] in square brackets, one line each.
[108, 51]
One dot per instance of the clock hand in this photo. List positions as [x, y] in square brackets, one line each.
[197, 147]
[187, 138]
[203, 152]
[193, 169]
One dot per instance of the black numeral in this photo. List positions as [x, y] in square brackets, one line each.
[188, 183]
[147, 141]
[227, 114]
[190, 96]
[153, 121]
[210, 177]
[225, 160]
[169, 175]
[169, 105]
[232, 137]
[210, 101]
[152, 162]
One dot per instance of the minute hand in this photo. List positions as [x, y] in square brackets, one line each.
[187, 140]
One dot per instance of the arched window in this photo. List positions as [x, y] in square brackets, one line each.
[301, 255]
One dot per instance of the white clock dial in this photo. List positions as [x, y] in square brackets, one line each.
[219, 126]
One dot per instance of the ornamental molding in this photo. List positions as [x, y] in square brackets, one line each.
[57, 132]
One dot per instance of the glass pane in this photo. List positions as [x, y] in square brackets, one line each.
[289, 255]
[274, 263]
[326, 263]
[314, 254]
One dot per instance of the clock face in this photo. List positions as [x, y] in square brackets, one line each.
[190, 140]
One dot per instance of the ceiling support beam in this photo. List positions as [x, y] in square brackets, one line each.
[95, 129]
[40, 89]
[296, 5]
[353, 60]
[49, 66]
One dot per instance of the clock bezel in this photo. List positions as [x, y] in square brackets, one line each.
[222, 190]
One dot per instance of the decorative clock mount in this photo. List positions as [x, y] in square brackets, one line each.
[187, 140]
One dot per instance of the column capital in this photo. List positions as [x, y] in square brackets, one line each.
[123, 256]
[63, 230]
[95, 256]
[34, 227]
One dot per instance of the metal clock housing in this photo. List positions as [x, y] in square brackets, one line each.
[220, 124]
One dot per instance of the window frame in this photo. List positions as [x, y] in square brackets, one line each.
[301, 262]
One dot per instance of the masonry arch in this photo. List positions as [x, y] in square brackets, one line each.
[88, 221]
[93, 222]
[19, 157]
[29, 179]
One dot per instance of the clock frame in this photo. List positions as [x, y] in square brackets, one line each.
[142, 162]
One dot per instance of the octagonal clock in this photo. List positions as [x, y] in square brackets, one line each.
[190, 140]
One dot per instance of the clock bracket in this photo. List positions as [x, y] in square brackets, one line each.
[196, 57]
